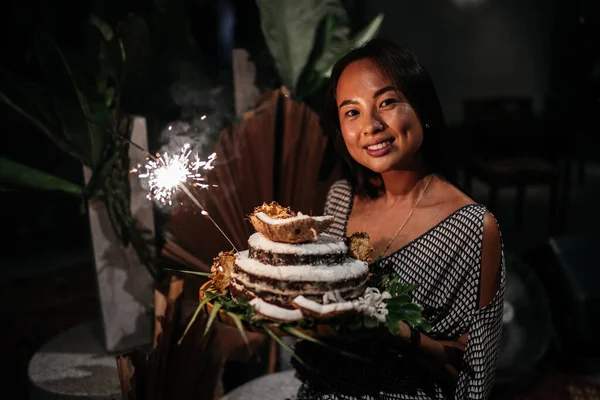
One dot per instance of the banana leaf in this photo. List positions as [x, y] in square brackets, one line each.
[306, 38]
[106, 56]
[337, 47]
[290, 28]
[14, 174]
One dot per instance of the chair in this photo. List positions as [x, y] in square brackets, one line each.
[506, 150]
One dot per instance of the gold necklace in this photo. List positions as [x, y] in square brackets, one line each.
[405, 221]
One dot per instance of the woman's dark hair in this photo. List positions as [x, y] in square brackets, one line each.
[409, 77]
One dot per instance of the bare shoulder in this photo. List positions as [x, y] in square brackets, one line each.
[491, 259]
[447, 198]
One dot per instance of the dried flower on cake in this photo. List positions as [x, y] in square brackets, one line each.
[220, 271]
[359, 246]
[275, 211]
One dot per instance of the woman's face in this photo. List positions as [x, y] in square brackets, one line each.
[380, 128]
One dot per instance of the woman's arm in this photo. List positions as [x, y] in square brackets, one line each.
[444, 358]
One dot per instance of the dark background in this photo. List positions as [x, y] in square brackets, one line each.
[516, 78]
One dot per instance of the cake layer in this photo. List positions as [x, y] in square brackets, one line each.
[348, 270]
[258, 284]
[279, 285]
[327, 250]
[285, 300]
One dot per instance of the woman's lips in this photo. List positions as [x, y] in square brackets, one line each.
[379, 149]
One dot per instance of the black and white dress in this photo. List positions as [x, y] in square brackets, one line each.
[446, 263]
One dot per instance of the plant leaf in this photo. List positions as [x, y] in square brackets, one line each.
[103, 27]
[193, 319]
[371, 322]
[290, 28]
[285, 346]
[188, 272]
[32, 103]
[240, 326]
[335, 39]
[211, 317]
[85, 122]
[325, 64]
[15, 174]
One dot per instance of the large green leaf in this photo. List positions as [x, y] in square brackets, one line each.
[338, 47]
[290, 28]
[106, 58]
[83, 115]
[17, 175]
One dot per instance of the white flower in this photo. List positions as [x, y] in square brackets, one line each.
[372, 304]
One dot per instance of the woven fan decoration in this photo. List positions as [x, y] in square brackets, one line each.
[277, 153]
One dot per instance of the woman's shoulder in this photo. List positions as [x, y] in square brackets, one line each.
[339, 198]
[341, 186]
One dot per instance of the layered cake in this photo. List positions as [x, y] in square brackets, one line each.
[279, 268]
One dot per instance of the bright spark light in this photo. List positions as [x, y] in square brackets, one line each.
[166, 174]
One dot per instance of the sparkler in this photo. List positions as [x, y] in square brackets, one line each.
[167, 175]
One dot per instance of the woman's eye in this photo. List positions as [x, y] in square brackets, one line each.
[351, 113]
[387, 102]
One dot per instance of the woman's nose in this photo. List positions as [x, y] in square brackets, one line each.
[373, 126]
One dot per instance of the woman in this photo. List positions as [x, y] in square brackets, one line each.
[387, 121]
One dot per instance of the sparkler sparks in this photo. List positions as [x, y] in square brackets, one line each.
[166, 174]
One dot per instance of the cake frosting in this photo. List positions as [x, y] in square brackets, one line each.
[272, 274]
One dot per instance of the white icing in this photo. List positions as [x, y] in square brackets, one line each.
[352, 268]
[325, 244]
[275, 312]
[272, 221]
[322, 309]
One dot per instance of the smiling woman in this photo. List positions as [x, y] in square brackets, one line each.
[377, 90]
[384, 114]
[378, 121]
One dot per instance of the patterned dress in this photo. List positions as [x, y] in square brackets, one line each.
[446, 263]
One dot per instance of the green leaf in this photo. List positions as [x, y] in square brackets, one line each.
[83, 115]
[301, 335]
[36, 106]
[337, 50]
[290, 28]
[285, 346]
[213, 313]
[396, 301]
[103, 27]
[371, 322]
[334, 42]
[188, 272]
[189, 325]
[238, 323]
[15, 174]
